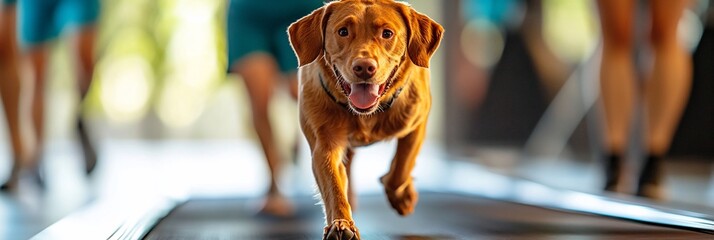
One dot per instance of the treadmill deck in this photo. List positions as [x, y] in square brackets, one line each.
[438, 216]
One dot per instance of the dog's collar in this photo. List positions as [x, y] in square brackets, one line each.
[334, 99]
[384, 106]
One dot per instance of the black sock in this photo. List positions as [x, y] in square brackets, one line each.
[88, 151]
[652, 172]
[613, 167]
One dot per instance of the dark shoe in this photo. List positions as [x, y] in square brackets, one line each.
[88, 151]
[16, 173]
[613, 173]
[13, 179]
[650, 184]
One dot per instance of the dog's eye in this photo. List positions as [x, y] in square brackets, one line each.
[387, 34]
[343, 32]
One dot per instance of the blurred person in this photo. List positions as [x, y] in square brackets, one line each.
[10, 88]
[665, 89]
[259, 51]
[505, 15]
[41, 22]
[552, 70]
[502, 49]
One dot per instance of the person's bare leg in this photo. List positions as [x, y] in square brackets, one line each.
[666, 92]
[260, 72]
[10, 88]
[293, 87]
[84, 43]
[551, 69]
[617, 83]
[84, 51]
[36, 56]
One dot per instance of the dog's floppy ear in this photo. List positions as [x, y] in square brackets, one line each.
[423, 36]
[307, 35]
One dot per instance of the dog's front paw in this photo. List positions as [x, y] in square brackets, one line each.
[341, 229]
[402, 198]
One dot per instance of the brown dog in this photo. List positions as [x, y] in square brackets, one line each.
[363, 79]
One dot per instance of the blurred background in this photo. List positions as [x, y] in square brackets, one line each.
[514, 85]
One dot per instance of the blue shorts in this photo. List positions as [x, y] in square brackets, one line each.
[495, 11]
[8, 2]
[256, 26]
[43, 20]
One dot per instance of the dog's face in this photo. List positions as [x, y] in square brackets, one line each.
[366, 44]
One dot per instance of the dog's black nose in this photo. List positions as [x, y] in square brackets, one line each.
[364, 68]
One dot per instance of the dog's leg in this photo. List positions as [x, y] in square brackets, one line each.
[397, 182]
[351, 195]
[331, 177]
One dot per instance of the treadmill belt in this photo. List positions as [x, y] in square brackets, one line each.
[438, 216]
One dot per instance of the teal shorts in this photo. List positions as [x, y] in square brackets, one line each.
[8, 2]
[261, 26]
[43, 20]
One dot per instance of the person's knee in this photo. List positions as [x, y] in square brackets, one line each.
[6, 57]
[85, 48]
[617, 35]
[618, 39]
[663, 37]
[7, 53]
[257, 65]
[86, 58]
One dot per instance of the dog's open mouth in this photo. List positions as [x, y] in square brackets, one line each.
[364, 96]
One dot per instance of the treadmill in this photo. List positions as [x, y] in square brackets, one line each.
[505, 208]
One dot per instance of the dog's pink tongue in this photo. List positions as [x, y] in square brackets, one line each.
[364, 95]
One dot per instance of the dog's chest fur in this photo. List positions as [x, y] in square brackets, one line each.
[393, 123]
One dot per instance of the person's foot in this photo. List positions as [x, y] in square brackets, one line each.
[38, 176]
[650, 183]
[10, 184]
[13, 179]
[277, 205]
[613, 173]
[652, 191]
[88, 151]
